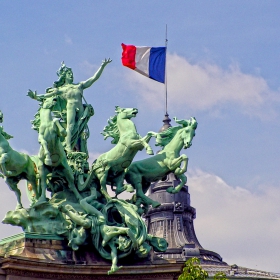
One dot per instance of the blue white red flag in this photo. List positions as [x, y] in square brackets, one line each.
[147, 61]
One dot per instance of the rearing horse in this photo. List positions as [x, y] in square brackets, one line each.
[109, 167]
[52, 157]
[16, 166]
[141, 173]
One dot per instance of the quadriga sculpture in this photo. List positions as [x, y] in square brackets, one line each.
[113, 226]
[109, 167]
[141, 173]
[15, 166]
[52, 157]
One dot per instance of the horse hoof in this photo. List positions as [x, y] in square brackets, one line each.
[129, 188]
[119, 190]
[170, 190]
[155, 205]
[150, 152]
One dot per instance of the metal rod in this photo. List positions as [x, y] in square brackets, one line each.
[166, 40]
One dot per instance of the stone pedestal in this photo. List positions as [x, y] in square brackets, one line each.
[31, 256]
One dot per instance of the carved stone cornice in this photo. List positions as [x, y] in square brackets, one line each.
[49, 270]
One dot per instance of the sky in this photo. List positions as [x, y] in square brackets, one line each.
[223, 67]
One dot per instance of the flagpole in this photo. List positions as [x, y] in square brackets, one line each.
[166, 41]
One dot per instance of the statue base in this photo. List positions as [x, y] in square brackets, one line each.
[29, 256]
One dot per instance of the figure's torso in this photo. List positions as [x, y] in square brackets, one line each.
[72, 94]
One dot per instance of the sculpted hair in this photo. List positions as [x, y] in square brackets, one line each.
[61, 73]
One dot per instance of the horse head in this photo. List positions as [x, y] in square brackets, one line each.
[19, 217]
[49, 102]
[126, 113]
[188, 132]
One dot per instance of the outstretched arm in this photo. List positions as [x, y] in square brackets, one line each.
[34, 95]
[96, 76]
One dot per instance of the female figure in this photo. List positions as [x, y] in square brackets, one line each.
[72, 95]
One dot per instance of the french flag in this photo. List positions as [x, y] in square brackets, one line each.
[147, 61]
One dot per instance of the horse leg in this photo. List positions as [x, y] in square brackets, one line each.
[145, 140]
[12, 183]
[181, 170]
[44, 144]
[32, 180]
[147, 147]
[118, 181]
[140, 194]
[149, 135]
[3, 159]
[61, 129]
[142, 207]
[70, 179]
[183, 179]
[43, 182]
[175, 163]
[103, 180]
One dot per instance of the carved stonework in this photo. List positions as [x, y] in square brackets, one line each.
[174, 220]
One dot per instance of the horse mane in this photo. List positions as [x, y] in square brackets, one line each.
[111, 130]
[164, 137]
[36, 122]
[5, 134]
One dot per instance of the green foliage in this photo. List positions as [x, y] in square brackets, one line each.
[193, 270]
[220, 276]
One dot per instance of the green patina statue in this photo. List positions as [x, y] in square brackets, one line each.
[80, 208]
[109, 167]
[73, 112]
[15, 166]
[52, 157]
[141, 174]
[124, 234]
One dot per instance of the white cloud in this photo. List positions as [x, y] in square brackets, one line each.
[206, 86]
[242, 226]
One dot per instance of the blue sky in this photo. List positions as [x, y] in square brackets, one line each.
[223, 68]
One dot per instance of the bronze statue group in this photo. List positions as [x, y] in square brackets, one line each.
[80, 208]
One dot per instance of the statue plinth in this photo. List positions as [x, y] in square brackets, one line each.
[32, 256]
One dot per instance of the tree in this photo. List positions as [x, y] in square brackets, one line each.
[220, 276]
[193, 270]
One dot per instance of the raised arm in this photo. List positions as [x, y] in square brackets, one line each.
[96, 76]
